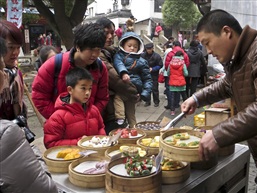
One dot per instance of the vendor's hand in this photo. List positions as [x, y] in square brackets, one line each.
[189, 106]
[150, 69]
[125, 77]
[208, 146]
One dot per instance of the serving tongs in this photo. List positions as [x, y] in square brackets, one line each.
[113, 139]
[173, 122]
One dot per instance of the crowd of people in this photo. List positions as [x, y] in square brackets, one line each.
[93, 88]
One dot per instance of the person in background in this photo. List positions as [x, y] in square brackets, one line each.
[131, 67]
[130, 24]
[236, 49]
[176, 47]
[49, 39]
[11, 97]
[89, 39]
[74, 116]
[158, 29]
[45, 52]
[166, 83]
[155, 64]
[127, 91]
[194, 69]
[168, 44]
[118, 32]
[177, 71]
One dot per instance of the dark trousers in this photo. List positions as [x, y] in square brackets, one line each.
[191, 85]
[175, 98]
[155, 90]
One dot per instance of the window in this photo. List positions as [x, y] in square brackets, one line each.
[158, 5]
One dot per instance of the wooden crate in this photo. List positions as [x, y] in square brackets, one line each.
[214, 116]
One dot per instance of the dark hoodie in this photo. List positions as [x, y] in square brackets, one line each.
[196, 60]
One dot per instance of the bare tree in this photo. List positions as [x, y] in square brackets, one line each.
[67, 14]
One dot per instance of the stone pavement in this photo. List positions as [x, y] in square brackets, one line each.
[149, 113]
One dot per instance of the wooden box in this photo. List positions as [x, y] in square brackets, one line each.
[214, 116]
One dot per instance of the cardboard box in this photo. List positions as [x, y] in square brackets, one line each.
[214, 116]
[199, 120]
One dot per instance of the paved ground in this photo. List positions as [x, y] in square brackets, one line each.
[150, 113]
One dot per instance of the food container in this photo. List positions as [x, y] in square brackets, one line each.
[224, 151]
[131, 139]
[151, 128]
[100, 149]
[187, 154]
[151, 144]
[78, 178]
[58, 165]
[116, 180]
[118, 149]
[180, 174]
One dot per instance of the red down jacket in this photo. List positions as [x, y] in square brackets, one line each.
[43, 91]
[70, 122]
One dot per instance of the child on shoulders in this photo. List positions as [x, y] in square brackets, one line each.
[132, 68]
[74, 116]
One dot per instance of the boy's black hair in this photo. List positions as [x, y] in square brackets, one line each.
[215, 20]
[76, 74]
[194, 43]
[105, 22]
[89, 35]
[3, 48]
[179, 53]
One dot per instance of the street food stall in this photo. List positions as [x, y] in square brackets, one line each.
[229, 175]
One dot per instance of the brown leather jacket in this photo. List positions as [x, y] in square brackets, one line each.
[240, 83]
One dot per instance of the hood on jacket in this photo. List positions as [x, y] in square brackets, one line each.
[193, 50]
[129, 35]
[62, 102]
[177, 62]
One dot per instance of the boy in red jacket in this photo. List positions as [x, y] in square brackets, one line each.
[74, 115]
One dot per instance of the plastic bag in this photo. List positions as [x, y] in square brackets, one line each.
[161, 78]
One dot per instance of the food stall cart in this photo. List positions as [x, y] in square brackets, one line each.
[229, 175]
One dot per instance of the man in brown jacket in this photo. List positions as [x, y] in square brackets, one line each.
[236, 49]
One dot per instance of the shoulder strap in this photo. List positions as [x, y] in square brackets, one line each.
[57, 69]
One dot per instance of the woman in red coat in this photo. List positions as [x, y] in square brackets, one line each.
[75, 116]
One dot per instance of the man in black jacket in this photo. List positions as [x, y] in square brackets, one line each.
[155, 64]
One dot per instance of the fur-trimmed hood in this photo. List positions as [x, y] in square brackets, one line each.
[134, 35]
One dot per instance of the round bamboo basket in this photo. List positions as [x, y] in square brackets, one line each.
[86, 180]
[100, 150]
[176, 176]
[121, 184]
[58, 165]
[224, 151]
[149, 133]
[131, 140]
[116, 149]
[180, 153]
[149, 150]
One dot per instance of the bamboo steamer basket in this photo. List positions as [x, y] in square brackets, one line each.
[116, 149]
[180, 153]
[58, 165]
[87, 180]
[122, 184]
[176, 176]
[131, 140]
[224, 151]
[100, 150]
[150, 150]
[149, 133]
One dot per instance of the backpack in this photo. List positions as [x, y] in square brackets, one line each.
[58, 66]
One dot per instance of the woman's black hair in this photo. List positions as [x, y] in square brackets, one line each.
[3, 49]
[105, 22]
